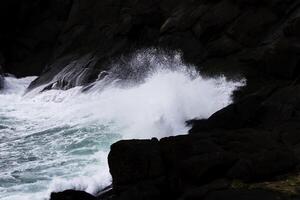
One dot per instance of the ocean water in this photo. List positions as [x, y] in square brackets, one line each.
[59, 139]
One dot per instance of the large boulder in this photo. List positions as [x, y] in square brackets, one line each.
[174, 165]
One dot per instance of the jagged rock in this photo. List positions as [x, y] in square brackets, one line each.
[67, 73]
[202, 30]
[175, 164]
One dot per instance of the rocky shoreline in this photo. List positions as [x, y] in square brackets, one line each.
[253, 142]
[248, 150]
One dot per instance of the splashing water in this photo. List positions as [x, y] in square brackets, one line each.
[58, 140]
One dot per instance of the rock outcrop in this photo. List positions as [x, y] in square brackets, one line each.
[256, 139]
[233, 37]
[177, 167]
[236, 38]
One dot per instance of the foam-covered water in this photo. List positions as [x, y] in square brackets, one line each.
[58, 140]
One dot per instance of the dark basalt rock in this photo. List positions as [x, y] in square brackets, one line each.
[29, 32]
[238, 38]
[269, 109]
[184, 162]
[252, 140]
[72, 195]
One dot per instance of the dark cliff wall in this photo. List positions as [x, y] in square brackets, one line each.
[251, 38]
[29, 31]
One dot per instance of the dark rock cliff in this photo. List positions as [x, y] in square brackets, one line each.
[29, 32]
[253, 39]
[250, 39]
[253, 141]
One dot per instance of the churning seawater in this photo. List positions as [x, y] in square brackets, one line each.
[56, 140]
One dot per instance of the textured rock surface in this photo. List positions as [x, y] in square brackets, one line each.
[254, 39]
[194, 161]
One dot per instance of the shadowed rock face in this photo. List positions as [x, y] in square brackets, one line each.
[253, 39]
[29, 32]
[174, 167]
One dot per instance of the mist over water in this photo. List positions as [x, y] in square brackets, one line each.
[59, 139]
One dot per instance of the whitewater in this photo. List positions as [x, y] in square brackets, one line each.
[59, 139]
